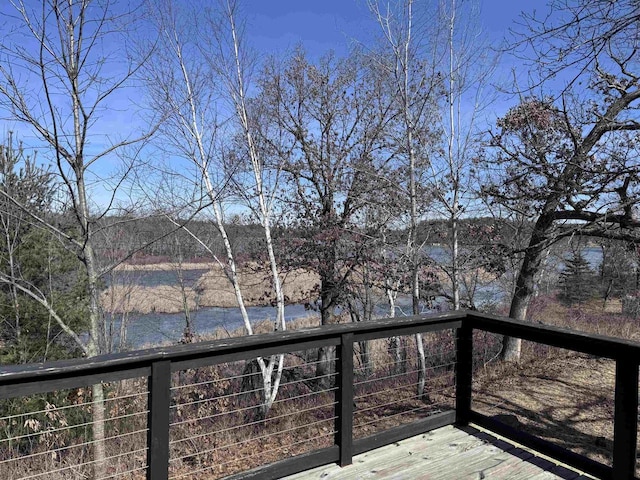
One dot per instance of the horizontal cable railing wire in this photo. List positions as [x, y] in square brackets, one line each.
[57, 451]
[430, 409]
[211, 422]
[409, 372]
[244, 460]
[226, 379]
[251, 440]
[249, 424]
[54, 408]
[250, 408]
[256, 390]
[407, 387]
[51, 435]
[66, 428]
[386, 385]
[52, 472]
[237, 427]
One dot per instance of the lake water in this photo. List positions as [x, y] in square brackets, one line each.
[157, 278]
[593, 255]
[158, 328]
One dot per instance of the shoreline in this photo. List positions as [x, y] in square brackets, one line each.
[165, 267]
[212, 289]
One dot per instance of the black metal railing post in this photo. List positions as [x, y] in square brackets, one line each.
[464, 367]
[625, 419]
[158, 421]
[344, 400]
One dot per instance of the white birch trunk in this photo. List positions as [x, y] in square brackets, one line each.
[257, 166]
[453, 166]
[400, 41]
[201, 160]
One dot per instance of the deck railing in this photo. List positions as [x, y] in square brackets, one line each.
[193, 411]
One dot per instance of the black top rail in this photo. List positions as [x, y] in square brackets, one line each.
[599, 345]
[43, 377]
[589, 343]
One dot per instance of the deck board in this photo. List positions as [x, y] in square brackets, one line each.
[444, 454]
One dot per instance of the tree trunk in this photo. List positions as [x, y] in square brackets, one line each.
[422, 364]
[453, 167]
[97, 341]
[363, 346]
[123, 331]
[325, 354]
[99, 419]
[526, 284]
[395, 343]
[271, 386]
[455, 273]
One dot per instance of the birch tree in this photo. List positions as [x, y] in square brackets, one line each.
[410, 61]
[264, 187]
[198, 81]
[61, 65]
[232, 48]
[467, 64]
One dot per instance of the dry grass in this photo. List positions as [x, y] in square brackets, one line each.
[255, 283]
[165, 266]
[593, 317]
[136, 298]
[562, 396]
[565, 398]
[212, 290]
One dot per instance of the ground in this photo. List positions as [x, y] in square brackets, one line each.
[562, 396]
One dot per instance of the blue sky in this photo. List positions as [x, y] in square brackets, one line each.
[276, 27]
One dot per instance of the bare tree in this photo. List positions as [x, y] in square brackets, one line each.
[200, 68]
[69, 50]
[180, 86]
[410, 61]
[572, 154]
[331, 119]
[564, 179]
[468, 64]
[263, 192]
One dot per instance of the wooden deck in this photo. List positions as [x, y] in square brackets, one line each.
[448, 453]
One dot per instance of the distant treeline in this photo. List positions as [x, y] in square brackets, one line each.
[158, 239]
